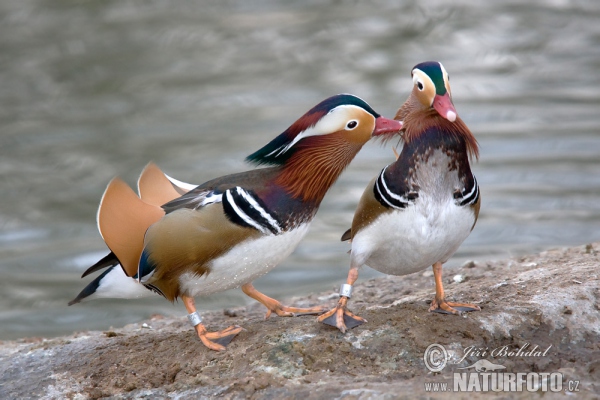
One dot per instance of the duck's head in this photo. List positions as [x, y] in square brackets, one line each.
[338, 122]
[431, 90]
[430, 106]
[315, 149]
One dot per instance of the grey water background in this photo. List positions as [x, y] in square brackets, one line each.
[90, 90]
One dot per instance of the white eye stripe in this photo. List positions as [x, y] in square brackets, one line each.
[417, 81]
[335, 120]
[444, 72]
[446, 78]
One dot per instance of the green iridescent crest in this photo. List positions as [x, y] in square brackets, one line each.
[434, 70]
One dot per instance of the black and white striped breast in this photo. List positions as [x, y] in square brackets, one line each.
[388, 197]
[245, 208]
[469, 195]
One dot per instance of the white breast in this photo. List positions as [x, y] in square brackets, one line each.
[410, 240]
[244, 263]
[429, 230]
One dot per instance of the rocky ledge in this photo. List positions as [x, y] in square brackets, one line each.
[539, 314]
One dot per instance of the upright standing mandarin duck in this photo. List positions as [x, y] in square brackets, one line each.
[420, 208]
[231, 230]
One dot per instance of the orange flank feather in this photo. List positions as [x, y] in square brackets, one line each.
[123, 220]
[155, 188]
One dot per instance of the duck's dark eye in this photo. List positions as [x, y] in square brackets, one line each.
[420, 85]
[352, 124]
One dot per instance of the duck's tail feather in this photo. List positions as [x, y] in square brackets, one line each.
[109, 260]
[112, 283]
[123, 219]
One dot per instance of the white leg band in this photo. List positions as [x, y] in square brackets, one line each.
[346, 290]
[194, 318]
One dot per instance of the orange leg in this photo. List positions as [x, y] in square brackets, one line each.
[339, 316]
[273, 306]
[439, 303]
[213, 340]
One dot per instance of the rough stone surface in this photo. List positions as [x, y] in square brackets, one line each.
[550, 300]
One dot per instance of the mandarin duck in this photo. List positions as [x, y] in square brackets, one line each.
[420, 208]
[181, 241]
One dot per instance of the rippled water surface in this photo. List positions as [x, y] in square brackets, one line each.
[90, 90]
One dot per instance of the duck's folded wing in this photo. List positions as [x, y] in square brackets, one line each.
[186, 241]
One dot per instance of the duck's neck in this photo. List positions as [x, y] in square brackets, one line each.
[417, 124]
[411, 105]
[432, 144]
[315, 166]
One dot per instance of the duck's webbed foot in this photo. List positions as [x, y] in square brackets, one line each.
[439, 303]
[341, 318]
[213, 340]
[217, 340]
[274, 306]
[446, 307]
